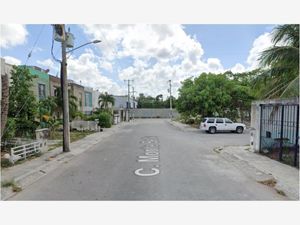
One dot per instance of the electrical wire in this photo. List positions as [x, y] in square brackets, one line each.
[27, 59]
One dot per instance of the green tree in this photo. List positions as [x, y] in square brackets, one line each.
[58, 109]
[105, 99]
[22, 102]
[214, 95]
[281, 61]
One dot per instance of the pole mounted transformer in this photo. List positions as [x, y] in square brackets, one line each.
[59, 32]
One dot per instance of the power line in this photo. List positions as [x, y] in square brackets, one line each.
[27, 59]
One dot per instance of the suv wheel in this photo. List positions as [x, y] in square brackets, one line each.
[212, 130]
[239, 130]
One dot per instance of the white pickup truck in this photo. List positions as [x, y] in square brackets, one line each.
[215, 124]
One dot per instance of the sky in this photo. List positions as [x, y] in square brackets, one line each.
[148, 54]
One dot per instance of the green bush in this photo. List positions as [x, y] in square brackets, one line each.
[105, 120]
[5, 163]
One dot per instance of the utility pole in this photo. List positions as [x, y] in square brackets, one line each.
[65, 94]
[128, 98]
[133, 97]
[67, 41]
[170, 90]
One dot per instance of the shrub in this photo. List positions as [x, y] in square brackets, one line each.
[105, 120]
[5, 163]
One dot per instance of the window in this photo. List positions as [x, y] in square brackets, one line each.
[42, 91]
[203, 120]
[219, 120]
[228, 121]
[55, 91]
[88, 99]
[210, 120]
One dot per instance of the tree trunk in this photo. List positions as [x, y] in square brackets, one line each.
[4, 101]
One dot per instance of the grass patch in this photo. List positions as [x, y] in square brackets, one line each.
[7, 183]
[74, 135]
[14, 187]
[54, 146]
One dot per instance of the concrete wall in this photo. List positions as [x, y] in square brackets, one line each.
[255, 119]
[95, 99]
[152, 113]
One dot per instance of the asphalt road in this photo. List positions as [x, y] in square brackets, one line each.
[152, 160]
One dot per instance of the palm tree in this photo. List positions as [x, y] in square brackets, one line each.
[59, 104]
[105, 99]
[282, 63]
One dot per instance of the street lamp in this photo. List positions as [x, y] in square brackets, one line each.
[91, 42]
[64, 87]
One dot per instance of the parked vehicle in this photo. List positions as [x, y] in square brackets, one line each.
[215, 124]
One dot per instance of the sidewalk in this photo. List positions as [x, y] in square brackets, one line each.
[30, 171]
[284, 178]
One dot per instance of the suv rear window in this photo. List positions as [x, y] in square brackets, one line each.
[203, 120]
[210, 120]
[220, 121]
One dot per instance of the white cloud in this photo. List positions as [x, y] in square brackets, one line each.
[159, 53]
[48, 63]
[11, 60]
[238, 68]
[86, 70]
[214, 65]
[260, 44]
[12, 35]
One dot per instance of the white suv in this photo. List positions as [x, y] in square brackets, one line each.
[214, 124]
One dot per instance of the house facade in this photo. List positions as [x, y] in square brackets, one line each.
[41, 82]
[77, 90]
[54, 84]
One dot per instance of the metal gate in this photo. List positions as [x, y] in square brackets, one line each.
[279, 132]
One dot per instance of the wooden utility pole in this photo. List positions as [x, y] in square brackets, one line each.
[128, 98]
[170, 90]
[65, 94]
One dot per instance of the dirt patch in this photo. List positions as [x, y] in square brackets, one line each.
[280, 192]
[270, 183]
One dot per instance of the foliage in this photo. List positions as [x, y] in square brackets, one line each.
[4, 164]
[104, 100]
[281, 63]
[213, 95]
[10, 131]
[73, 109]
[157, 102]
[22, 103]
[105, 120]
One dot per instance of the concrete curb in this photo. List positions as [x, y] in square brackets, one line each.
[34, 175]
